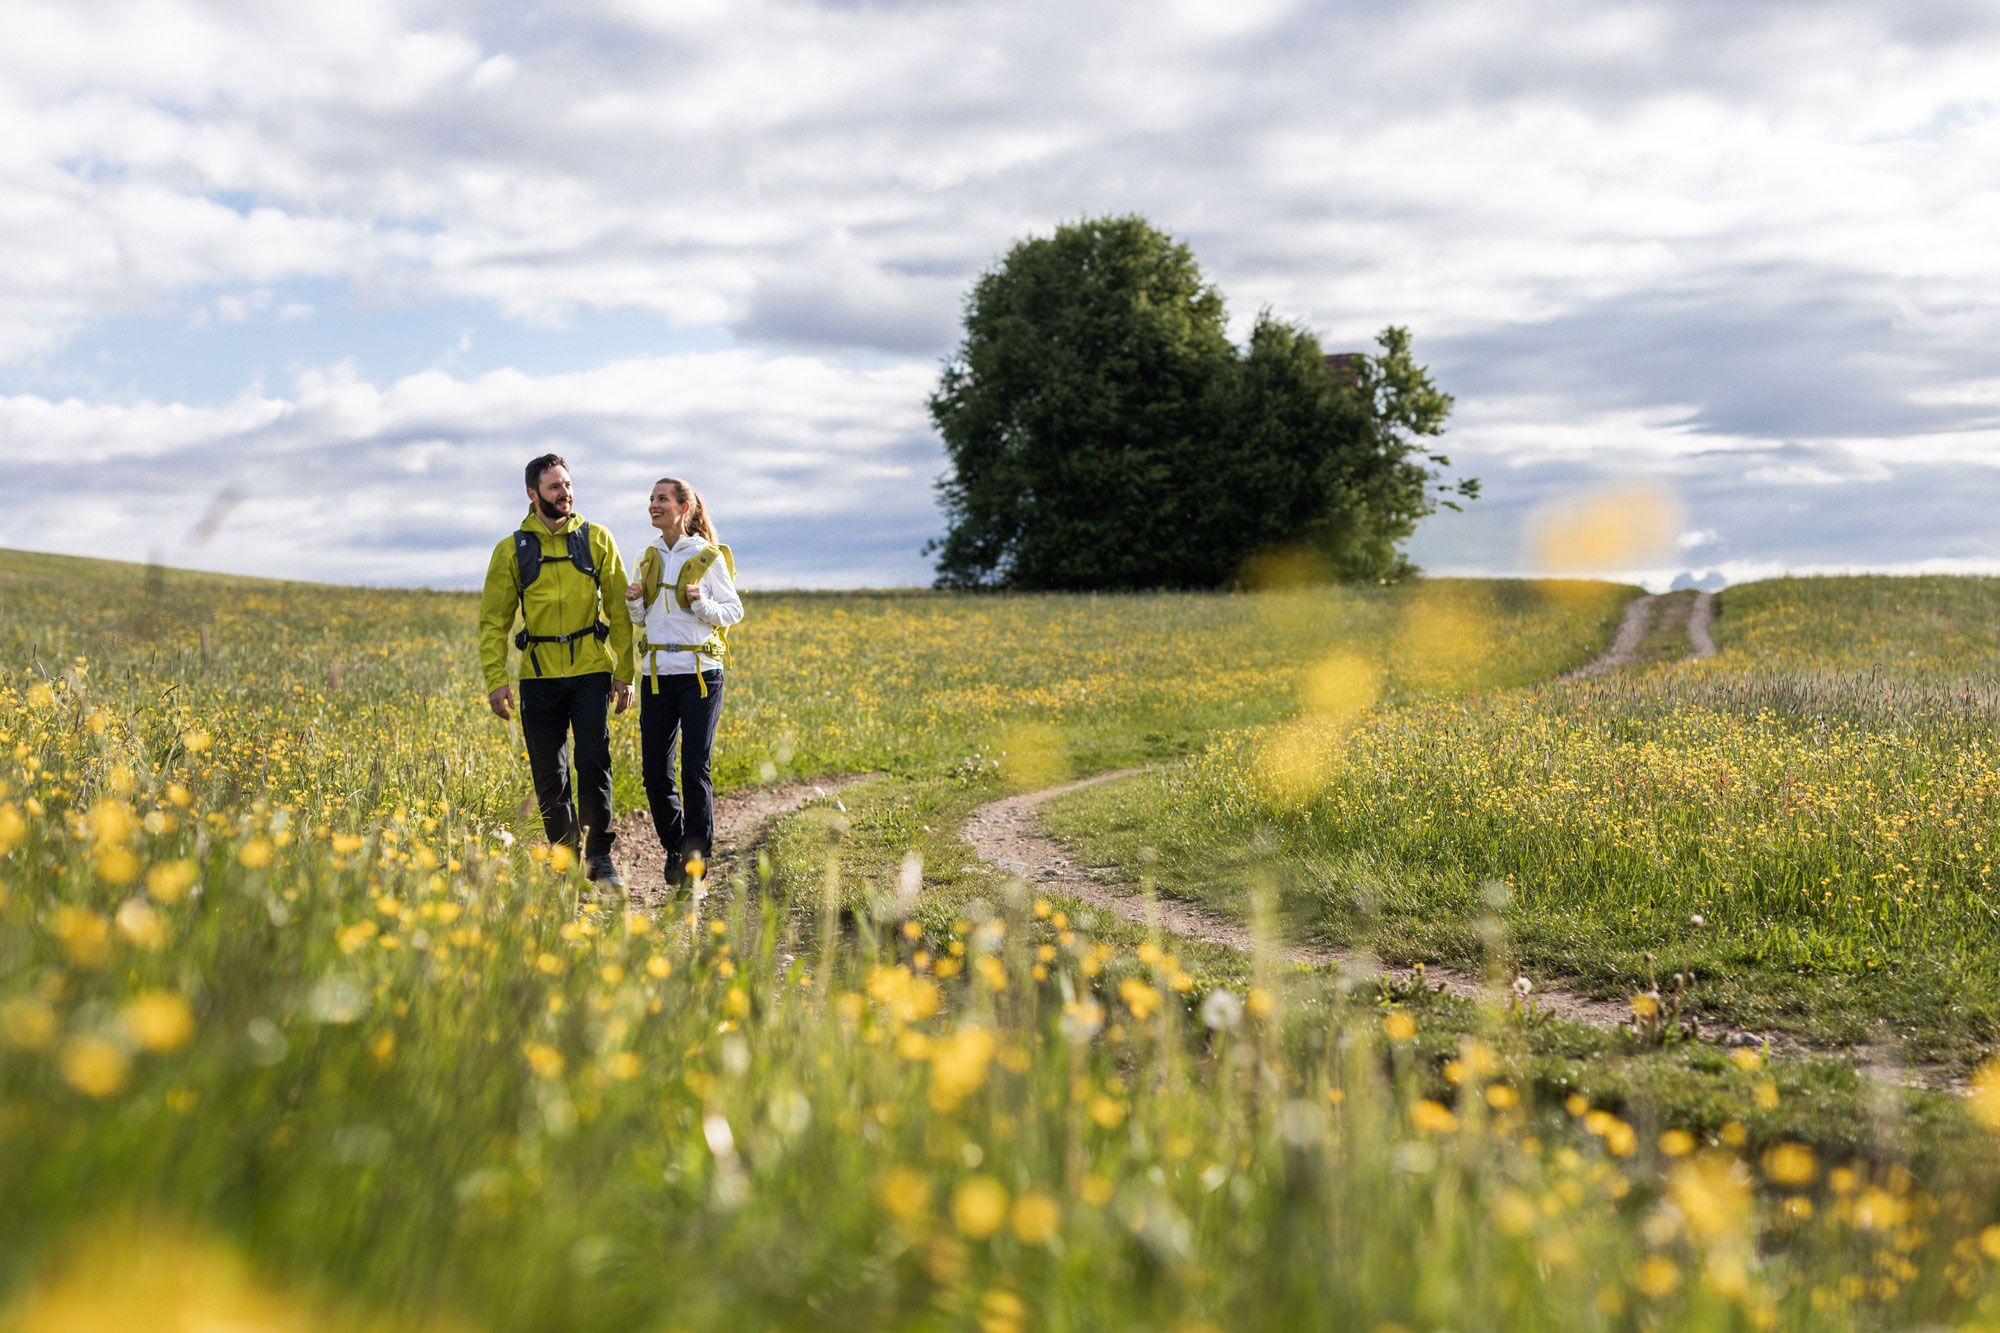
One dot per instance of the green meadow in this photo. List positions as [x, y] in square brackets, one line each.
[300, 1028]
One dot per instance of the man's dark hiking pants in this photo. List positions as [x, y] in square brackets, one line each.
[685, 822]
[551, 708]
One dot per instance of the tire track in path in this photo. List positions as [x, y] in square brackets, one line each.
[1701, 621]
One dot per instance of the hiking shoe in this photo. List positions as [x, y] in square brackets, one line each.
[602, 871]
[676, 877]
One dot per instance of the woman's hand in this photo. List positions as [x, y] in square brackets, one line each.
[634, 590]
[694, 592]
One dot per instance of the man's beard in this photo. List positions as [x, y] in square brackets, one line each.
[549, 513]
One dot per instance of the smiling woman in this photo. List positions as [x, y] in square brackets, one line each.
[684, 602]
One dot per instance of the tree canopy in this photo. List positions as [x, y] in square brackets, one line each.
[1103, 432]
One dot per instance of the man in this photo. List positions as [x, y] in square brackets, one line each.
[561, 573]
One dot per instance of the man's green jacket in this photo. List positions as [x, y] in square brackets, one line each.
[561, 600]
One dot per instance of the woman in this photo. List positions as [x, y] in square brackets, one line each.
[684, 597]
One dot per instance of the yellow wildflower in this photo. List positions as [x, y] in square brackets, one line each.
[169, 881]
[158, 1020]
[1036, 1218]
[94, 1066]
[85, 936]
[979, 1207]
[904, 1193]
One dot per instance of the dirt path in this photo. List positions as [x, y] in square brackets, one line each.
[742, 819]
[1007, 834]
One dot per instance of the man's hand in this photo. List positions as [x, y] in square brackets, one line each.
[634, 590]
[621, 696]
[501, 701]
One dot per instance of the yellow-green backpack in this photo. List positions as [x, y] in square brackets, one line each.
[652, 577]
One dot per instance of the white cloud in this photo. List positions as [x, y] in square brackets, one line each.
[348, 480]
[1642, 237]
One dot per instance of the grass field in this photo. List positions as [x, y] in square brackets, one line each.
[1821, 799]
[297, 1026]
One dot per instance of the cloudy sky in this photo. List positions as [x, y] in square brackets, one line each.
[297, 288]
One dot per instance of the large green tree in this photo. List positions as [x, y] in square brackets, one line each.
[1103, 432]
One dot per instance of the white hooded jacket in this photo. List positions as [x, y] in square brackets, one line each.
[665, 622]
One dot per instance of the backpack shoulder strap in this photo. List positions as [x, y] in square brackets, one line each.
[651, 574]
[581, 558]
[527, 557]
[691, 571]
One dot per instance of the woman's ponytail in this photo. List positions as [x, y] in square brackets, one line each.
[698, 522]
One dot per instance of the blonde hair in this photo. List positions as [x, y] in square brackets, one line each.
[689, 499]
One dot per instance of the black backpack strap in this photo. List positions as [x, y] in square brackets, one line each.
[580, 557]
[527, 556]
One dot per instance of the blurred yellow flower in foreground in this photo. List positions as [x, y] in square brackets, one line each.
[1139, 997]
[958, 1066]
[1433, 1116]
[85, 936]
[159, 1020]
[139, 923]
[904, 1193]
[1341, 685]
[1604, 531]
[979, 1207]
[906, 996]
[170, 880]
[1295, 761]
[116, 865]
[154, 1278]
[1032, 754]
[1036, 1218]
[1983, 1097]
[94, 1066]
[1791, 1164]
[1713, 1194]
[112, 822]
